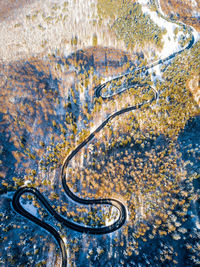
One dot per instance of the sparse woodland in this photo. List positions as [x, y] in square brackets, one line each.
[48, 107]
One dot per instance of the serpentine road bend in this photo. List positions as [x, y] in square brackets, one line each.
[108, 201]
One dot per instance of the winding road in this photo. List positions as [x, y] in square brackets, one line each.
[107, 201]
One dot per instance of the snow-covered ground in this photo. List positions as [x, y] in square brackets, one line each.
[171, 44]
[170, 40]
[194, 3]
[49, 25]
[31, 209]
[109, 221]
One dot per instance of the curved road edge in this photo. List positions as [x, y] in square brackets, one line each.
[109, 201]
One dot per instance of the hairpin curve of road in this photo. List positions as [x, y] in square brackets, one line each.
[108, 201]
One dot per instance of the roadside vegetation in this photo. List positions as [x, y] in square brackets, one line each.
[135, 158]
[130, 24]
[49, 107]
[186, 11]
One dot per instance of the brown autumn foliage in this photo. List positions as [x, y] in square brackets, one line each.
[10, 6]
[185, 11]
[194, 87]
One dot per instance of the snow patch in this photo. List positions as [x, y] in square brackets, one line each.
[194, 3]
[170, 45]
[31, 209]
[143, 2]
